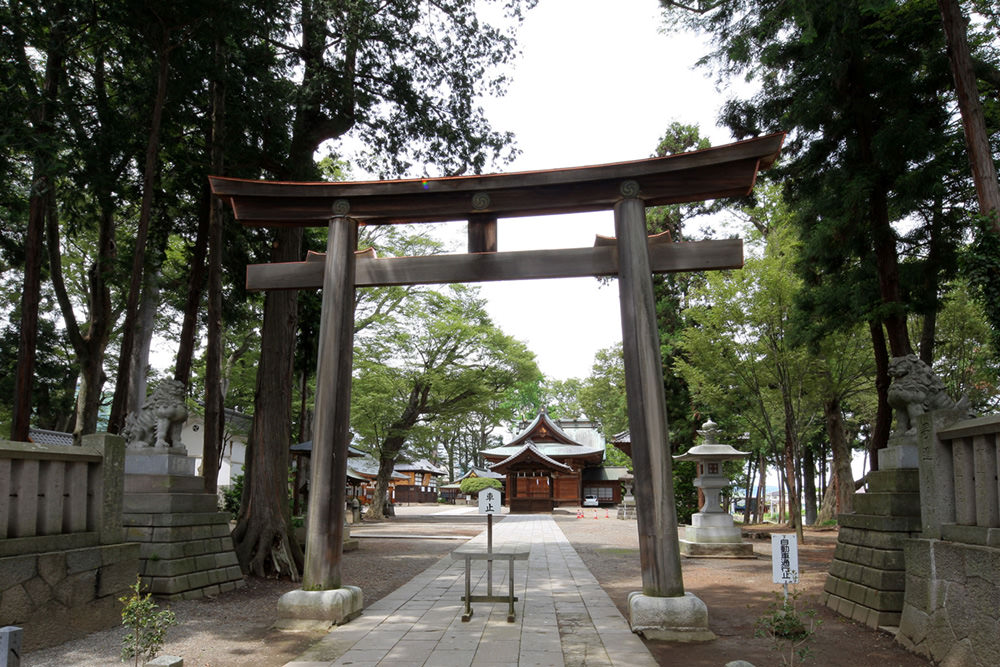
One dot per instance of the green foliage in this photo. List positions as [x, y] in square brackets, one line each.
[602, 394]
[982, 264]
[233, 496]
[616, 457]
[865, 94]
[147, 627]
[562, 398]
[965, 360]
[437, 358]
[788, 630]
[473, 485]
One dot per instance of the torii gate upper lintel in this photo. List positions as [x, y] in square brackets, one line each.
[627, 188]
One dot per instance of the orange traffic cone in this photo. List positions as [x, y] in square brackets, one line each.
[595, 514]
[607, 513]
[579, 513]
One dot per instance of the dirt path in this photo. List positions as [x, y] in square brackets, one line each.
[233, 630]
[737, 593]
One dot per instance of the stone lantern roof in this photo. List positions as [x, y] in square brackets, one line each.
[710, 449]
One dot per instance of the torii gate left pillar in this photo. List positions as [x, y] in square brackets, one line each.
[323, 593]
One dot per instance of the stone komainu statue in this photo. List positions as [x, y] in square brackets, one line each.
[916, 390]
[161, 419]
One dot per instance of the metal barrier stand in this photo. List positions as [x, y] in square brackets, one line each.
[507, 553]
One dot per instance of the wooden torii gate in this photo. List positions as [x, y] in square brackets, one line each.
[626, 187]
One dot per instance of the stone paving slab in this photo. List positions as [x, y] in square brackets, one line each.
[564, 618]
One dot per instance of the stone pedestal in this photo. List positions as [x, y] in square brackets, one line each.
[867, 578]
[672, 619]
[627, 509]
[301, 609]
[185, 547]
[713, 534]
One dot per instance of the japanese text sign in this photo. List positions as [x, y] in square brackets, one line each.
[785, 559]
[489, 501]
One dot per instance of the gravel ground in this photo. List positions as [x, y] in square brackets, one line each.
[234, 629]
[737, 593]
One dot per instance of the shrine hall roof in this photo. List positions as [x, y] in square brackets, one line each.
[529, 452]
[542, 428]
[550, 450]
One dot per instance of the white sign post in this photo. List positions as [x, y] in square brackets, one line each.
[489, 504]
[785, 560]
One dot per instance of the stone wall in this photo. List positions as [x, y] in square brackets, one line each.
[62, 595]
[952, 609]
[62, 562]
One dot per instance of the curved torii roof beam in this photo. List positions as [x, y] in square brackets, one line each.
[721, 171]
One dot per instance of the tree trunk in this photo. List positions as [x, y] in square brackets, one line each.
[378, 507]
[782, 492]
[305, 427]
[883, 416]
[984, 173]
[30, 299]
[196, 279]
[120, 405]
[827, 510]
[393, 444]
[843, 476]
[144, 339]
[751, 473]
[792, 486]
[264, 522]
[761, 490]
[809, 484]
[41, 184]
[215, 391]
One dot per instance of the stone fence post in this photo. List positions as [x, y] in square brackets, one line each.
[109, 485]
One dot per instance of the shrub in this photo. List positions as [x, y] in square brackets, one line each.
[473, 485]
[232, 496]
[147, 627]
[788, 630]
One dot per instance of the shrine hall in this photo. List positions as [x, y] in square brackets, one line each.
[544, 466]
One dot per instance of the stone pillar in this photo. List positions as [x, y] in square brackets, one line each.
[10, 646]
[112, 482]
[662, 610]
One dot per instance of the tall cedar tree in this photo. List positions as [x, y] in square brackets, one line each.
[860, 87]
[405, 76]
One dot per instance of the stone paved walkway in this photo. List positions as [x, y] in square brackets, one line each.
[564, 617]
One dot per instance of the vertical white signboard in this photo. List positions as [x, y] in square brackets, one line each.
[489, 501]
[785, 559]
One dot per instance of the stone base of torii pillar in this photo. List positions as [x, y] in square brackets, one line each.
[302, 610]
[671, 619]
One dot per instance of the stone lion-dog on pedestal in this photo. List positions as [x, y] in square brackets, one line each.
[916, 390]
[161, 419]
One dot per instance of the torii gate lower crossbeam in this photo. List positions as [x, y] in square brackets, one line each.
[663, 610]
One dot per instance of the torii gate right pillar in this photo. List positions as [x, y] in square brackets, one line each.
[662, 610]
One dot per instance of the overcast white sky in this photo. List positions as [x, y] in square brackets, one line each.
[598, 82]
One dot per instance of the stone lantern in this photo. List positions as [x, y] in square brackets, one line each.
[712, 531]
